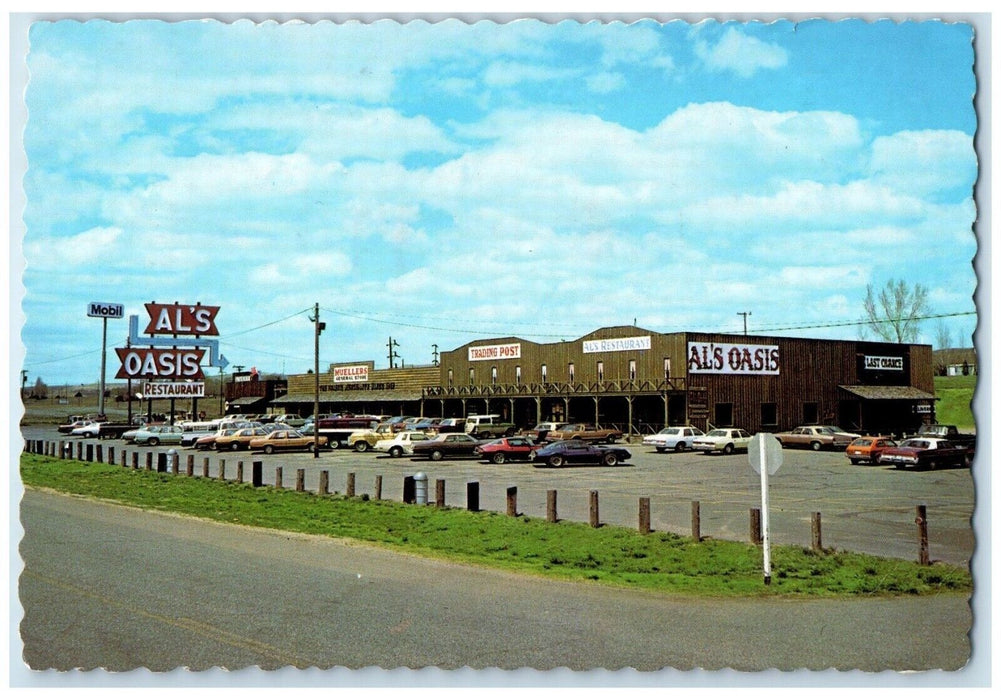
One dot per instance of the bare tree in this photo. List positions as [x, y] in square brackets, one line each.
[895, 314]
[943, 336]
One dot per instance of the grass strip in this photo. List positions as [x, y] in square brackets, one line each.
[660, 561]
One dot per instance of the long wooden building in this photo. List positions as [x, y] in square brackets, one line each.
[641, 380]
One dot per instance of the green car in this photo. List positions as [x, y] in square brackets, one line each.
[154, 435]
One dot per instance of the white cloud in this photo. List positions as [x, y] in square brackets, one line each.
[741, 54]
[924, 162]
[605, 82]
[82, 249]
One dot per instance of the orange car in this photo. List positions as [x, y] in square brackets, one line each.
[868, 448]
[286, 440]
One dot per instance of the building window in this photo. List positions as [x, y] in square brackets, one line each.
[632, 370]
[544, 373]
[493, 374]
[450, 378]
[601, 371]
[517, 374]
[723, 415]
[667, 368]
[810, 412]
[570, 371]
[769, 414]
[472, 376]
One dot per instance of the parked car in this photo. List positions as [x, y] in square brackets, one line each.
[677, 438]
[539, 431]
[500, 450]
[558, 454]
[286, 440]
[290, 419]
[73, 425]
[927, 453]
[401, 443]
[88, 429]
[447, 445]
[947, 432]
[816, 437]
[240, 439]
[450, 425]
[426, 425]
[583, 431]
[724, 440]
[868, 448]
[488, 425]
[154, 435]
[207, 442]
[365, 440]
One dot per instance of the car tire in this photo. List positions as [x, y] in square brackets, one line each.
[661, 450]
[269, 449]
[854, 461]
[361, 446]
[728, 449]
[815, 446]
[153, 442]
[680, 447]
[333, 444]
[213, 446]
[436, 455]
[309, 446]
[610, 459]
[556, 461]
[395, 451]
[531, 456]
[234, 446]
[498, 458]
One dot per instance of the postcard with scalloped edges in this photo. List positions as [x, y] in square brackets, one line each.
[517, 351]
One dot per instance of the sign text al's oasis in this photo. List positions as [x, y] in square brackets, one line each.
[732, 358]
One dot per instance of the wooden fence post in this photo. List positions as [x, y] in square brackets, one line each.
[409, 490]
[921, 518]
[378, 487]
[349, 487]
[756, 526]
[222, 470]
[100, 453]
[512, 500]
[278, 478]
[189, 468]
[551, 505]
[175, 463]
[135, 460]
[300, 479]
[696, 521]
[239, 472]
[324, 488]
[644, 525]
[595, 520]
[472, 495]
[815, 528]
[439, 493]
[149, 461]
[205, 467]
[257, 474]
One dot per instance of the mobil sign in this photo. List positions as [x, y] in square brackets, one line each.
[150, 363]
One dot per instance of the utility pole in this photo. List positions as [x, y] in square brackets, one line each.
[745, 314]
[392, 345]
[317, 329]
[434, 354]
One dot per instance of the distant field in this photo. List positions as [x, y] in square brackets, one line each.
[955, 395]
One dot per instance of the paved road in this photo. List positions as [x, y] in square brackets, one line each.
[112, 587]
[863, 508]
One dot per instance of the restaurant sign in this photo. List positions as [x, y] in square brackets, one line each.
[641, 342]
[733, 358]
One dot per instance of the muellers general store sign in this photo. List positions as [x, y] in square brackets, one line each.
[353, 373]
[732, 358]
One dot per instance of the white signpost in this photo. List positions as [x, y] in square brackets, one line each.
[765, 455]
[104, 311]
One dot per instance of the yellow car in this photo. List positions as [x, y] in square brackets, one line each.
[286, 440]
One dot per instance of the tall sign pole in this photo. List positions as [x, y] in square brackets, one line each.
[765, 455]
[104, 311]
[317, 329]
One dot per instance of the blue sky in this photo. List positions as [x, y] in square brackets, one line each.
[441, 183]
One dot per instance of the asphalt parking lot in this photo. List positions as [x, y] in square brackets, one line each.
[863, 508]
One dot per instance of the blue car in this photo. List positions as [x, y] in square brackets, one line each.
[566, 452]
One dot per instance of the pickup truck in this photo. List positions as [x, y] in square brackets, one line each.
[488, 426]
[947, 432]
[583, 431]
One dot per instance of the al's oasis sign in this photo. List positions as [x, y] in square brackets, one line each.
[732, 358]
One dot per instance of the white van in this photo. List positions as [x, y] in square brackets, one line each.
[196, 429]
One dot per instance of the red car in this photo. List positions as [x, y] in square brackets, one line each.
[927, 453]
[500, 450]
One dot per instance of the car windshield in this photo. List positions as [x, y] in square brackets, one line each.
[862, 442]
[915, 443]
[670, 431]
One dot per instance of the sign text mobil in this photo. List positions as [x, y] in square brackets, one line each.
[508, 351]
[732, 358]
[100, 309]
[181, 319]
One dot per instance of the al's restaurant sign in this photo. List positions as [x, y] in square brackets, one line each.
[732, 358]
[508, 351]
[640, 342]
